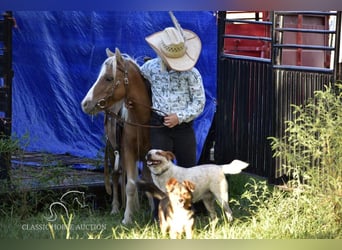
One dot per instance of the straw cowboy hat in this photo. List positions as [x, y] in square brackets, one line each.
[179, 48]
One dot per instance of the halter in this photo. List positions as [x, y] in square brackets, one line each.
[102, 103]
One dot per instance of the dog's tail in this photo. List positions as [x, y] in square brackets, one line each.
[149, 187]
[235, 167]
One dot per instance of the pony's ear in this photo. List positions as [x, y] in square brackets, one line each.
[109, 52]
[118, 57]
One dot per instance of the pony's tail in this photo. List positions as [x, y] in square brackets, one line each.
[107, 160]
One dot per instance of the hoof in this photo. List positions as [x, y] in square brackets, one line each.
[127, 221]
[115, 210]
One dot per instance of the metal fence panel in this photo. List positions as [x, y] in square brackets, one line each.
[293, 87]
[244, 113]
[255, 94]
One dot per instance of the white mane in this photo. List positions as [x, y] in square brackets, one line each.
[112, 61]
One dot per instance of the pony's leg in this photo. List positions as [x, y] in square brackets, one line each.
[115, 201]
[110, 165]
[132, 202]
[146, 176]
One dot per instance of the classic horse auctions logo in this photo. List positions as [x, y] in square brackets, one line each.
[65, 203]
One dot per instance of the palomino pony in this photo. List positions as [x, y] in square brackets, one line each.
[120, 85]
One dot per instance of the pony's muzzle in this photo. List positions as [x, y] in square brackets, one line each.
[86, 106]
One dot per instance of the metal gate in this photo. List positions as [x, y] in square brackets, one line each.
[266, 62]
[6, 75]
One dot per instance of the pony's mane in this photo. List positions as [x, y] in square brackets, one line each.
[130, 58]
[125, 56]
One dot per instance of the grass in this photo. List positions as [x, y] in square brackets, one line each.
[309, 207]
[261, 212]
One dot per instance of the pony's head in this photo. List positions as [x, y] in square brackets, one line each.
[109, 87]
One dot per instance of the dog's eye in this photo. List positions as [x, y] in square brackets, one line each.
[186, 194]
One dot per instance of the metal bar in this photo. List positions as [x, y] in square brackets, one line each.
[262, 38]
[250, 58]
[337, 44]
[303, 68]
[221, 30]
[7, 74]
[321, 13]
[229, 20]
[299, 40]
[305, 30]
[302, 46]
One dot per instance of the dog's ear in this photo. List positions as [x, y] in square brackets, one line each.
[169, 156]
[189, 185]
[171, 183]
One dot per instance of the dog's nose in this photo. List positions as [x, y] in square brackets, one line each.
[148, 156]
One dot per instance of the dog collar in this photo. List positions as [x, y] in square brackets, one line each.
[159, 174]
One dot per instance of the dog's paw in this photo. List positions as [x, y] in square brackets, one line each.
[230, 218]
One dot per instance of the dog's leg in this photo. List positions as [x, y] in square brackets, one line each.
[221, 194]
[163, 225]
[222, 199]
[174, 234]
[228, 211]
[223, 202]
[209, 203]
[188, 230]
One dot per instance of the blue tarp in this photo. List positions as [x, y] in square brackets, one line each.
[57, 57]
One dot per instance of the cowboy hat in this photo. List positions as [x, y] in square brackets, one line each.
[179, 48]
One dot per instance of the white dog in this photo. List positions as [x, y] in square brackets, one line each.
[209, 179]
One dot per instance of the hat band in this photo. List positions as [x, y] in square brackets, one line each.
[174, 50]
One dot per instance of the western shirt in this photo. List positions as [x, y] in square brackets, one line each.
[179, 92]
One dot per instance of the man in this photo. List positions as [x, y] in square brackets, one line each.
[177, 91]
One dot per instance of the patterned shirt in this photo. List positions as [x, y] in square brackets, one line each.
[176, 92]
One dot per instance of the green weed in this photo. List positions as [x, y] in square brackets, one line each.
[309, 207]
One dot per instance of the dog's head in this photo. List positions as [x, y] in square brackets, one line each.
[158, 160]
[180, 194]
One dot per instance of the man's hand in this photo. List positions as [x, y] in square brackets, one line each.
[171, 120]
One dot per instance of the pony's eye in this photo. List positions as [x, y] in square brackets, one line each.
[109, 78]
